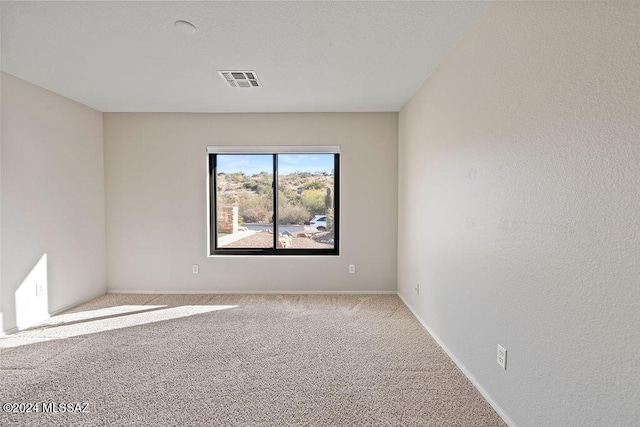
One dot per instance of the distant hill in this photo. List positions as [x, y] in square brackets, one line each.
[301, 195]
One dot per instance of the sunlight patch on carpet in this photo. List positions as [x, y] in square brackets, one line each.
[74, 324]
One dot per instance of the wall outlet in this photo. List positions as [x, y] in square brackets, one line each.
[352, 269]
[196, 269]
[39, 289]
[502, 357]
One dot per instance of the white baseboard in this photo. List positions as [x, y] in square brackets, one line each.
[74, 305]
[118, 291]
[9, 331]
[51, 313]
[464, 370]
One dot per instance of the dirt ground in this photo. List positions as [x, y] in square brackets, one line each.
[265, 240]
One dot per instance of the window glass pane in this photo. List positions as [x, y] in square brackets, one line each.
[244, 196]
[306, 201]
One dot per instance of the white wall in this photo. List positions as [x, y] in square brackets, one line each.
[156, 202]
[519, 199]
[52, 216]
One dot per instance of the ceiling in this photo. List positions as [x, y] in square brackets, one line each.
[309, 56]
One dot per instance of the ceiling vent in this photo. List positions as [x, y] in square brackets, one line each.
[240, 78]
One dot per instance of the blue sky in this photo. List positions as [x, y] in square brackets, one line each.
[252, 164]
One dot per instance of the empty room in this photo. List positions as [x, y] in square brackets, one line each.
[320, 213]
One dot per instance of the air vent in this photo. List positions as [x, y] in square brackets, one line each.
[240, 78]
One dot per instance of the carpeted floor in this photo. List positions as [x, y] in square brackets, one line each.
[237, 360]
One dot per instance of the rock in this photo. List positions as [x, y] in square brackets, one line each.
[301, 235]
[286, 233]
[309, 230]
[285, 242]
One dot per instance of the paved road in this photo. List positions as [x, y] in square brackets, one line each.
[281, 229]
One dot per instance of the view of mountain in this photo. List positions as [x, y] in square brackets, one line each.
[301, 195]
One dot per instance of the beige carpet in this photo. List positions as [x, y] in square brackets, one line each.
[238, 360]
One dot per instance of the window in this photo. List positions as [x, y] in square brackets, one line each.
[273, 200]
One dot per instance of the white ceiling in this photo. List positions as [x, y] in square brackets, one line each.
[310, 56]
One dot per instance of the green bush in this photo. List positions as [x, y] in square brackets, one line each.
[313, 201]
[238, 177]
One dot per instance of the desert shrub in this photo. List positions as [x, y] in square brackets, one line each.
[227, 199]
[255, 207]
[264, 188]
[313, 201]
[237, 177]
[258, 187]
[292, 214]
[315, 185]
[289, 196]
[253, 215]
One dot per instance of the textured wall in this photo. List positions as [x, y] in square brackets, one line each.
[518, 209]
[52, 202]
[156, 202]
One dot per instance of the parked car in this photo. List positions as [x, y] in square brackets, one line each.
[319, 222]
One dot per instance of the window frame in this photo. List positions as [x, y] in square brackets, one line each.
[214, 151]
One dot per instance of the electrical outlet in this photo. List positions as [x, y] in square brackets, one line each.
[196, 269]
[417, 288]
[39, 289]
[502, 357]
[352, 269]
